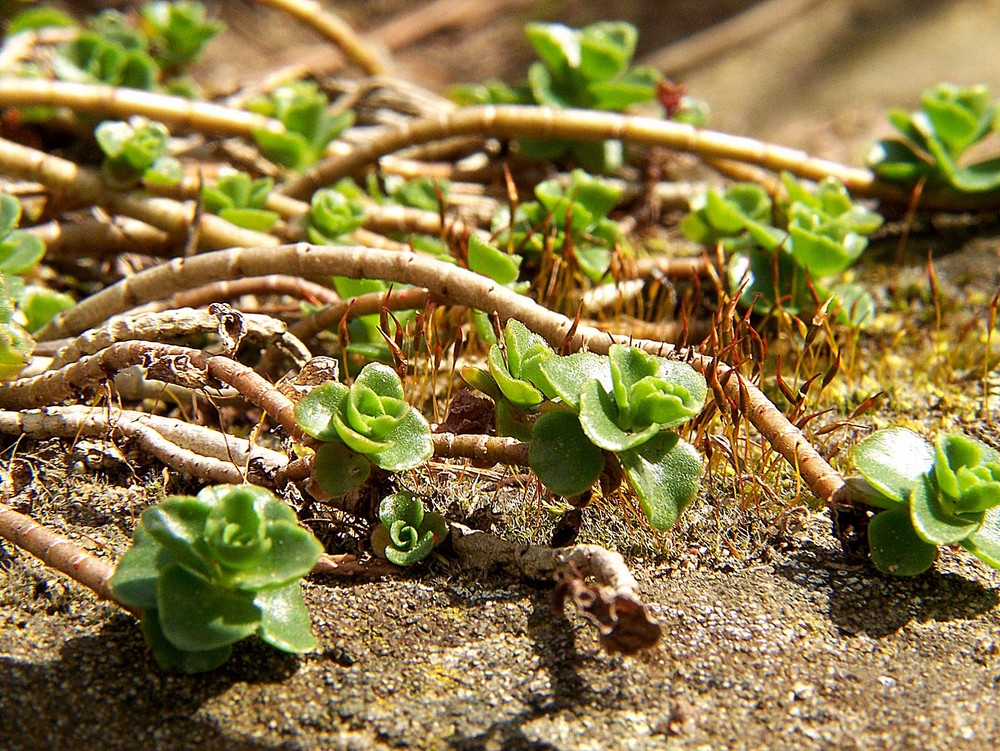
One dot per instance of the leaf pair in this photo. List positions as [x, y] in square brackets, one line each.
[24, 307]
[584, 68]
[367, 422]
[932, 141]
[625, 402]
[210, 570]
[239, 199]
[112, 51]
[940, 495]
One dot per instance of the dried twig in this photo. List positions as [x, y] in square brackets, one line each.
[613, 603]
[92, 236]
[174, 324]
[76, 422]
[511, 121]
[483, 448]
[182, 366]
[336, 30]
[58, 552]
[456, 286]
[113, 101]
[272, 284]
[87, 187]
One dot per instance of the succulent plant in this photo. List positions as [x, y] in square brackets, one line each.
[209, 570]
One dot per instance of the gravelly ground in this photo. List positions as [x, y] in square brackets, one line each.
[800, 653]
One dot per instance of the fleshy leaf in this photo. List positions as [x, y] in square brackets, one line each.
[178, 525]
[896, 548]
[236, 530]
[892, 461]
[517, 391]
[134, 580]
[984, 543]
[292, 554]
[489, 261]
[599, 416]
[565, 377]
[338, 470]
[408, 445]
[315, 411]
[562, 456]
[20, 252]
[664, 472]
[197, 616]
[284, 620]
[401, 507]
[169, 657]
[932, 521]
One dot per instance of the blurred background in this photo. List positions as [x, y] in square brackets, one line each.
[815, 74]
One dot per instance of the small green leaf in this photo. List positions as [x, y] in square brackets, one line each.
[40, 305]
[664, 472]
[290, 150]
[10, 213]
[489, 261]
[896, 548]
[562, 456]
[20, 252]
[892, 461]
[178, 524]
[420, 549]
[406, 534]
[197, 616]
[519, 392]
[284, 620]
[984, 543]
[257, 220]
[556, 44]
[606, 48]
[338, 470]
[408, 445]
[565, 377]
[932, 522]
[953, 452]
[600, 416]
[38, 18]
[481, 380]
[164, 172]
[401, 507]
[422, 193]
[112, 136]
[179, 30]
[134, 580]
[316, 410]
[169, 657]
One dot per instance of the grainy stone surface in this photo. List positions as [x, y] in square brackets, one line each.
[803, 652]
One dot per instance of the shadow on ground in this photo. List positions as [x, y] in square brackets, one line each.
[104, 690]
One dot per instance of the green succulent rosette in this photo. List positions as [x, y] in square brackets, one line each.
[209, 570]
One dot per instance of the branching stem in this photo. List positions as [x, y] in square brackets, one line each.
[454, 285]
[112, 101]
